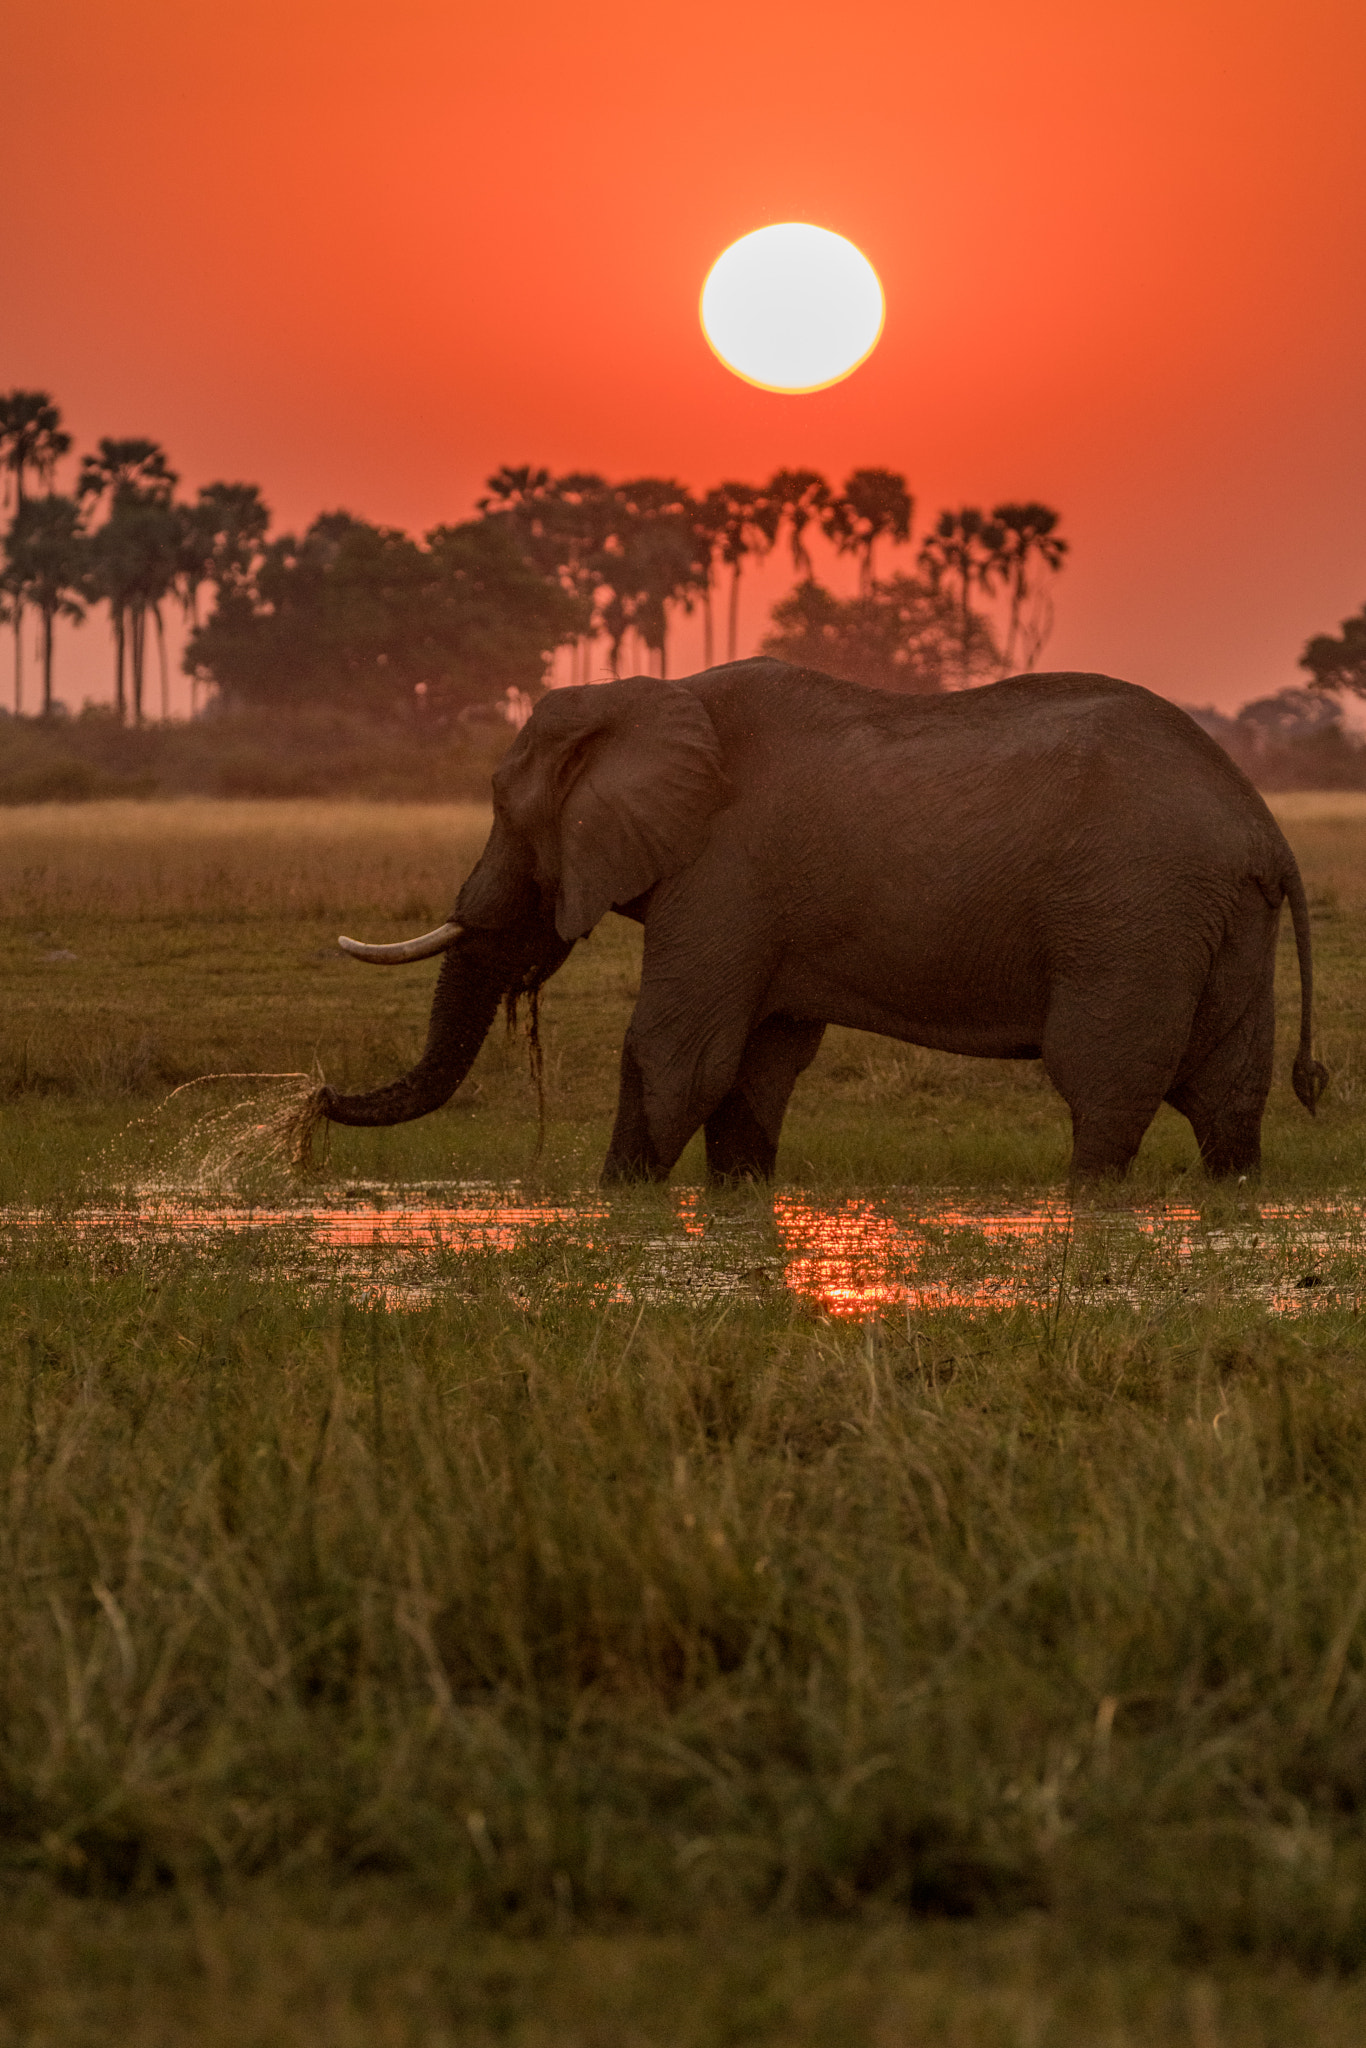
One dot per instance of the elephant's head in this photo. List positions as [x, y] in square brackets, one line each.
[607, 790]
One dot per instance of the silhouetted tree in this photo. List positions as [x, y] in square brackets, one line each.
[652, 561]
[873, 505]
[135, 552]
[113, 579]
[801, 497]
[1290, 715]
[361, 615]
[583, 516]
[47, 567]
[903, 635]
[524, 498]
[964, 549]
[220, 539]
[490, 622]
[31, 438]
[563, 526]
[1295, 739]
[1337, 661]
[745, 521]
[1029, 542]
[222, 535]
[710, 516]
[162, 535]
[134, 558]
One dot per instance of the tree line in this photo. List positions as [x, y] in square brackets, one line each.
[635, 554]
[370, 618]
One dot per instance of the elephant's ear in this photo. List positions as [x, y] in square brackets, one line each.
[613, 784]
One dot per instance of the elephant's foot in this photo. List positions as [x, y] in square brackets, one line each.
[623, 1170]
[1232, 1152]
[738, 1146]
[1103, 1151]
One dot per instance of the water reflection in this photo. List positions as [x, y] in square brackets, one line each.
[856, 1259]
[857, 1255]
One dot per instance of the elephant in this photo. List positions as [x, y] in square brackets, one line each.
[1055, 867]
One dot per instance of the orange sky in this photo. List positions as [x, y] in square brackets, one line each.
[363, 252]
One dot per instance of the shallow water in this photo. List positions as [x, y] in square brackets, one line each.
[848, 1255]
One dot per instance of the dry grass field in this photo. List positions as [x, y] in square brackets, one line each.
[548, 1663]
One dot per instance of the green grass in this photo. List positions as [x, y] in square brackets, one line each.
[538, 1669]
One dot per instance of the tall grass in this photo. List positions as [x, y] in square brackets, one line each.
[584, 1618]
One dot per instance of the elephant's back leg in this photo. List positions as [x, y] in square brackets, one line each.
[1112, 1045]
[744, 1128]
[1225, 1073]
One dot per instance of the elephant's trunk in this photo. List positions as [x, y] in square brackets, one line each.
[478, 970]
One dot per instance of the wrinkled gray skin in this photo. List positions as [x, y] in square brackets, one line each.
[1060, 867]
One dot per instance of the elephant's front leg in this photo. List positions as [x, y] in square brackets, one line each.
[685, 1046]
[632, 1154]
[744, 1128]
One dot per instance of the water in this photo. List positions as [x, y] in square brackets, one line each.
[848, 1255]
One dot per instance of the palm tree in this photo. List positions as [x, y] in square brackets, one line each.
[134, 464]
[709, 527]
[654, 563]
[518, 489]
[31, 437]
[801, 496]
[528, 500]
[160, 535]
[219, 541]
[745, 521]
[578, 515]
[965, 548]
[136, 550]
[874, 503]
[12, 614]
[113, 580]
[1028, 536]
[562, 525]
[47, 567]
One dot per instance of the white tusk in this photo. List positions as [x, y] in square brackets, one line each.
[406, 949]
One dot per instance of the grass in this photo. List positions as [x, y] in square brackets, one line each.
[203, 937]
[533, 1669]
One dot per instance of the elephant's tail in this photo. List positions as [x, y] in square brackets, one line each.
[1310, 1078]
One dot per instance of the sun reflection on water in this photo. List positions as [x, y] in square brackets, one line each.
[847, 1259]
[849, 1256]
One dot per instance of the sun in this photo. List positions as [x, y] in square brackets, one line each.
[792, 307]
